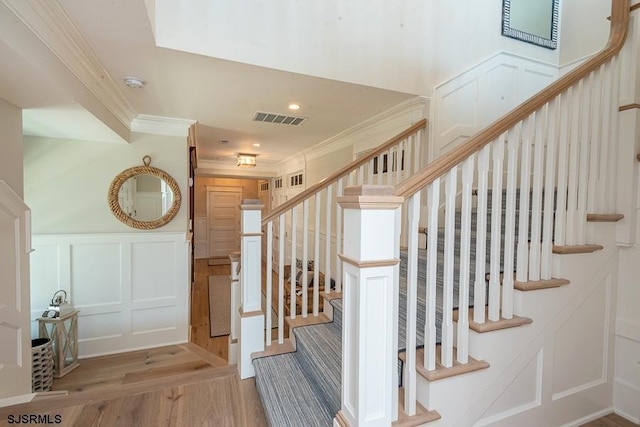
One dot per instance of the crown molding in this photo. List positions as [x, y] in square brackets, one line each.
[50, 23]
[158, 125]
[412, 109]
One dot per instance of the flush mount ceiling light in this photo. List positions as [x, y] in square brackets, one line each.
[134, 82]
[257, 144]
[293, 106]
[246, 160]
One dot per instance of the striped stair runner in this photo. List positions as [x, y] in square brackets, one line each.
[303, 388]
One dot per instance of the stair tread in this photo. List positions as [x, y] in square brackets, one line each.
[288, 395]
[319, 351]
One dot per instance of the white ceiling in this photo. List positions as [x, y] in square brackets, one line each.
[222, 96]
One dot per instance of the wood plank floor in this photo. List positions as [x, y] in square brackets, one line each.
[200, 329]
[170, 386]
[611, 420]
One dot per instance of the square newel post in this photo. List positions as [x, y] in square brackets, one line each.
[369, 358]
[234, 257]
[251, 333]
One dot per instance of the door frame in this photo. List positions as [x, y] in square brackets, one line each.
[217, 189]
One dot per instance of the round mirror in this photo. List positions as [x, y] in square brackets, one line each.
[144, 197]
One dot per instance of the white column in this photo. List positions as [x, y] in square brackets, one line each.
[369, 287]
[234, 257]
[250, 335]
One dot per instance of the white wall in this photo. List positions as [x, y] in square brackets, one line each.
[584, 28]
[404, 45]
[66, 182]
[131, 286]
[11, 158]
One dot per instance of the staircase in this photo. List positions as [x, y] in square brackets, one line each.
[489, 289]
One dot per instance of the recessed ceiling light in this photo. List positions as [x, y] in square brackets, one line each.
[134, 82]
[294, 106]
[256, 145]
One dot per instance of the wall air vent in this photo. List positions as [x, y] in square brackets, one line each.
[278, 119]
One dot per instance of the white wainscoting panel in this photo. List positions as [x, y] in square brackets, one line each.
[581, 345]
[524, 393]
[132, 289]
[626, 386]
[482, 94]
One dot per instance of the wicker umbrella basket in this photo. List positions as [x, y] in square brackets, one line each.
[42, 364]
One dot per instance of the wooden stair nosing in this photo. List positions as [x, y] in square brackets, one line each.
[307, 321]
[422, 415]
[534, 285]
[576, 249]
[331, 296]
[493, 325]
[604, 217]
[288, 346]
[441, 372]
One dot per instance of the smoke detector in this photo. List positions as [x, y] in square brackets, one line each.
[134, 82]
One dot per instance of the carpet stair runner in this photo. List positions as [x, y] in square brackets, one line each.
[303, 388]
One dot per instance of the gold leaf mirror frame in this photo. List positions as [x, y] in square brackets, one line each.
[122, 177]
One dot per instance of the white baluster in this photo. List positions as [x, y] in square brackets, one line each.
[465, 260]
[549, 188]
[338, 237]
[292, 268]
[327, 244]
[583, 169]
[316, 259]
[372, 162]
[496, 229]
[523, 214]
[415, 141]
[449, 260]
[510, 220]
[305, 258]
[596, 80]
[574, 155]
[408, 156]
[433, 195]
[480, 285]
[563, 170]
[413, 212]
[605, 135]
[536, 196]
[269, 279]
[281, 280]
[611, 161]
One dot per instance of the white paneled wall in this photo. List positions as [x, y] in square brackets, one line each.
[132, 289]
[482, 94]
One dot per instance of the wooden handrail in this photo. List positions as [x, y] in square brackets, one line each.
[324, 183]
[619, 25]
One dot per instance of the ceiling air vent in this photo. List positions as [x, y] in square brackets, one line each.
[278, 119]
